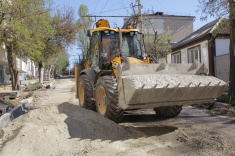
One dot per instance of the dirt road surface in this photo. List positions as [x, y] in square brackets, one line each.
[61, 127]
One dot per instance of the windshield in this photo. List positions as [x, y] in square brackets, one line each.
[130, 45]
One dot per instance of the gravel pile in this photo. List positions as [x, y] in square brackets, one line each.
[172, 80]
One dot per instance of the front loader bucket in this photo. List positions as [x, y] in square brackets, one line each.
[156, 85]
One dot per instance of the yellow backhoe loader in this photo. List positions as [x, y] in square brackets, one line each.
[117, 76]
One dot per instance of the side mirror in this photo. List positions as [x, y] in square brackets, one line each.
[89, 33]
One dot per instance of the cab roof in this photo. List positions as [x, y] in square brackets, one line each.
[116, 30]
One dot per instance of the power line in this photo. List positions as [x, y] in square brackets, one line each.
[111, 10]
[103, 16]
[96, 6]
[105, 5]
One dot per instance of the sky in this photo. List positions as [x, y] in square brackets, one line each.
[123, 8]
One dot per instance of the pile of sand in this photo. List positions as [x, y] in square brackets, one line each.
[58, 130]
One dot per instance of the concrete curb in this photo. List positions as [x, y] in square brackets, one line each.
[15, 112]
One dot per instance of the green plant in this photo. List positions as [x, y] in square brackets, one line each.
[227, 99]
[34, 86]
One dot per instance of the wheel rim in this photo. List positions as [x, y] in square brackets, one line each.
[81, 94]
[101, 101]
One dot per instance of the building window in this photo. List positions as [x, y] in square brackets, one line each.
[176, 57]
[194, 55]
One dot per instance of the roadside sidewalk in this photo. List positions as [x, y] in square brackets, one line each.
[23, 106]
[15, 112]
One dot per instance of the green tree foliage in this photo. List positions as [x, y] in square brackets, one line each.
[223, 8]
[157, 42]
[28, 30]
[64, 33]
[85, 24]
[61, 65]
[213, 8]
[21, 27]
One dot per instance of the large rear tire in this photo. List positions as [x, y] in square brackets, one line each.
[106, 96]
[85, 93]
[168, 112]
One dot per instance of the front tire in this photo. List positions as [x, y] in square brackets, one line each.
[85, 93]
[106, 96]
[168, 112]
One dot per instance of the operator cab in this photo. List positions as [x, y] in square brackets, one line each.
[130, 44]
[105, 44]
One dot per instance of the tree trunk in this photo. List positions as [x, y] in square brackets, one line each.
[49, 72]
[55, 73]
[52, 71]
[40, 66]
[232, 47]
[12, 67]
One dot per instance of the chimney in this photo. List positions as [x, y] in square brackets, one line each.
[159, 13]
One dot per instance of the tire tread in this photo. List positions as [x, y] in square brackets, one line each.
[89, 102]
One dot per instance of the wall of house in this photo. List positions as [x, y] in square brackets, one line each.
[26, 70]
[168, 58]
[30, 69]
[204, 53]
[222, 64]
[222, 46]
[222, 59]
[3, 56]
[179, 26]
[4, 75]
[184, 53]
[17, 63]
[24, 66]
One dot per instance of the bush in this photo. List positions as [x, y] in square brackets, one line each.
[226, 99]
[34, 86]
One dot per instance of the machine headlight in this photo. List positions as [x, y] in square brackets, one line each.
[106, 31]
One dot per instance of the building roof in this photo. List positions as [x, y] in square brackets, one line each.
[161, 14]
[202, 33]
[158, 15]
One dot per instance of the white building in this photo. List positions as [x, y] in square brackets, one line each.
[25, 68]
[208, 45]
[178, 26]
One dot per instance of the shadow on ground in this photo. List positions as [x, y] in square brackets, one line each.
[149, 131]
[87, 124]
[65, 77]
[230, 122]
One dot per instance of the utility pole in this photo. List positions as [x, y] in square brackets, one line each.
[140, 16]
